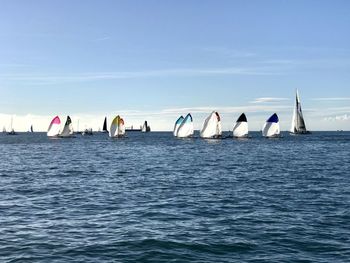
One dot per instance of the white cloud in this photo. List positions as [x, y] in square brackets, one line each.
[96, 76]
[332, 99]
[269, 100]
[344, 117]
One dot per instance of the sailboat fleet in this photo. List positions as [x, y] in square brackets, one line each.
[184, 127]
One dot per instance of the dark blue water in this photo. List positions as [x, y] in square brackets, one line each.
[154, 198]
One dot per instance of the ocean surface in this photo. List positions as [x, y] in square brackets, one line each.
[153, 198]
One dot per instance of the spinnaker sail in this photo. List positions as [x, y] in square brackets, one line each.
[177, 125]
[241, 127]
[271, 127]
[212, 126]
[185, 129]
[117, 128]
[54, 127]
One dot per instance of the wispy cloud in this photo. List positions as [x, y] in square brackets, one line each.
[104, 38]
[226, 110]
[229, 52]
[332, 99]
[268, 100]
[96, 76]
[344, 117]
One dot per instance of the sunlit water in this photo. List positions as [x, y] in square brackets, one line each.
[154, 198]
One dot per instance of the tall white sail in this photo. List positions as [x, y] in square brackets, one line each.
[271, 127]
[117, 128]
[241, 127]
[186, 127]
[54, 127]
[298, 123]
[212, 126]
[177, 125]
[67, 129]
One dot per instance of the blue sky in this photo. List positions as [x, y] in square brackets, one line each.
[158, 59]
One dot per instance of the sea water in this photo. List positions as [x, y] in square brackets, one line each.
[154, 198]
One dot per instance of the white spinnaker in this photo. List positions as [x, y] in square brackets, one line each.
[177, 125]
[271, 129]
[54, 128]
[186, 127]
[212, 126]
[240, 129]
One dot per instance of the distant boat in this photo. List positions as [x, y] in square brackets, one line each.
[31, 128]
[4, 129]
[240, 130]
[12, 131]
[271, 128]
[298, 122]
[104, 129]
[132, 129]
[186, 127]
[117, 128]
[177, 125]
[145, 127]
[54, 128]
[67, 129]
[212, 127]
[87, 132]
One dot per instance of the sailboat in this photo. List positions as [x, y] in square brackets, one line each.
[31, 129]
[185, 129]
[54, 127]
[117, 128]
[177, 125]
[271, 128]
[212, 126]
[240, 130]
[67, 129]
[145, 127]
[4, 129]
[298, 122]
[12, 131]
[87, 131]
[104, 129]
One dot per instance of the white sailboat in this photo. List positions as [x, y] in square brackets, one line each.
[212, 126]
[54, 127]
[271, 128]
[145, 127]
[240, 130]
[117, 128]
[177, 125]
[12, 131]
[185, 129]
[67, 129]
[298, 122]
